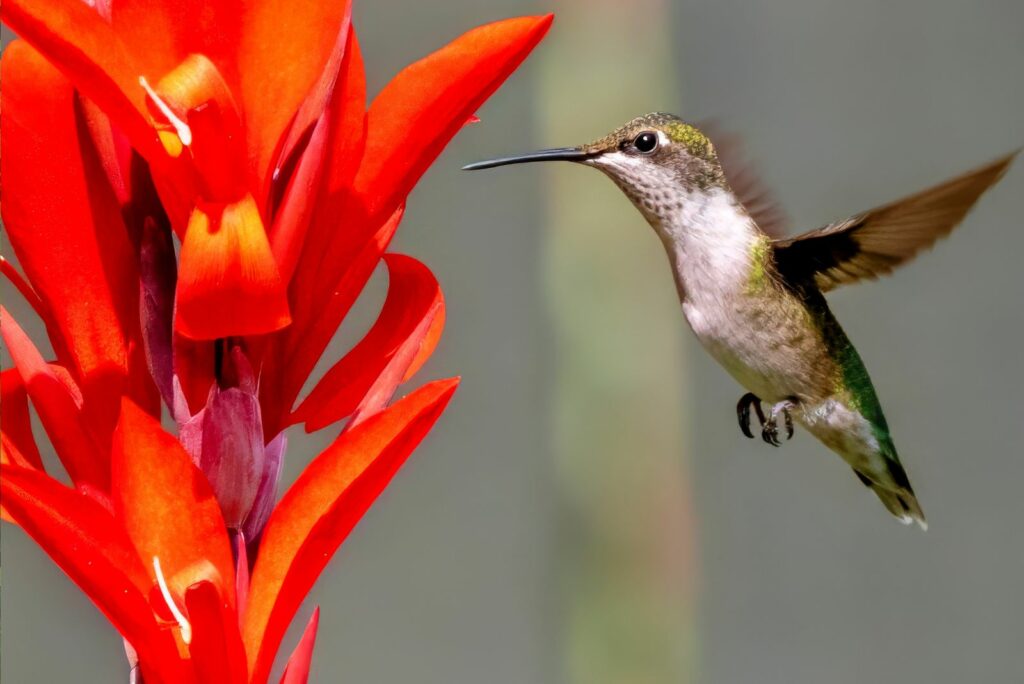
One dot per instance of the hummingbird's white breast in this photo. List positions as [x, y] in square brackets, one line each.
[754, 329]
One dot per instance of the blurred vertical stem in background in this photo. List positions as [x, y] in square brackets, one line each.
[621, 403]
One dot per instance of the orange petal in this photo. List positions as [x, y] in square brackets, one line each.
[321, 508]
[167, 507]
[228, 282]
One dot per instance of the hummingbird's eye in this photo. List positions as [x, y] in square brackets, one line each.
[646, 142]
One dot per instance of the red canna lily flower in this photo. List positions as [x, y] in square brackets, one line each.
[239, 130]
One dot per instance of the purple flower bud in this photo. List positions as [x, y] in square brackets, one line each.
[225, 439]
[232, 451]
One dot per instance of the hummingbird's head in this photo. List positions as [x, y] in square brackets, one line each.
[658, 160]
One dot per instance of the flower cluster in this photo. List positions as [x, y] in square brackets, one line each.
[196, 193]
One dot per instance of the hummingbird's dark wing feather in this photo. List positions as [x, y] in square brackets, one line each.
[874, 243]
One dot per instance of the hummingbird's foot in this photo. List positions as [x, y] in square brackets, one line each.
[770, 431]
[743, 412]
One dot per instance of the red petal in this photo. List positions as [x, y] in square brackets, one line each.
[14, 417]
[89, 545]
[321, 508]
[58, 408]
[427, 103]
[283, 49]
[297, 669]
[166, 505]
[65, 225]
[23, 288]
[60, 348]
[311, 111]
[369, 374]
[216, 648]
[293, 217]
[79, 42]
[228, 284]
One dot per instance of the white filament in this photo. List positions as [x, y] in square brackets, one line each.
[180, 127]
[183, 623]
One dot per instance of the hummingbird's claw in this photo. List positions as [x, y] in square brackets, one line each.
[770, 433]
[769, 424]
[743, 412]
[783, 408]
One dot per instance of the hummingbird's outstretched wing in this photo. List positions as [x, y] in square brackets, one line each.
[874, 243]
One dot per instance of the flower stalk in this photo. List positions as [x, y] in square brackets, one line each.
[129, 127]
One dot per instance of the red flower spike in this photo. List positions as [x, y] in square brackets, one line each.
[216, 647]
[321, 508]
[228, 284]
[167, 507]
[381, 361]
[297, 669]
[58, 407]
[88, 544]
[261, 106]
[16, 422]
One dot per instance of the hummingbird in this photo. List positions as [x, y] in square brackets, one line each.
[756, 301]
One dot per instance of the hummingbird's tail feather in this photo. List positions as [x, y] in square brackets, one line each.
[900, 501]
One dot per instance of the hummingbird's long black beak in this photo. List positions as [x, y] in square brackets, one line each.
[556, 154]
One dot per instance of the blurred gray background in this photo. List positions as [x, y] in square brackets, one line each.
[587, 510]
